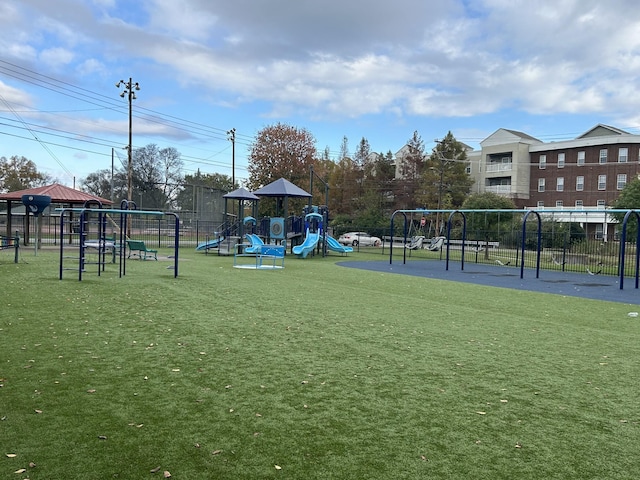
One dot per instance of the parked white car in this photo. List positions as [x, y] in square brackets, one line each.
[359, 238]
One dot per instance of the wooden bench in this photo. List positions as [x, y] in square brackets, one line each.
[141, 248]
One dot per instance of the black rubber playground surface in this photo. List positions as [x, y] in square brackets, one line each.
[584, 285]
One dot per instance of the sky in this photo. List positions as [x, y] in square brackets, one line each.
[351, 69]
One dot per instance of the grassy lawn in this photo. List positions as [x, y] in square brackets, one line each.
[311, 372]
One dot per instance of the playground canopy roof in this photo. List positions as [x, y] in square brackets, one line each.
[241, 194]
[58, 193]
[281, 188]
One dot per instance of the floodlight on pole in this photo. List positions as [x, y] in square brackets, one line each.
[129, 92]
[232, 137]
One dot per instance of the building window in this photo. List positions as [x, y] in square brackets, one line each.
[580, 159]
[561, 160]
[579, 204]
[603, 155]
[543, 162]
[560, 184]
[559, 204]
[623, 155]
[540, 204]
[468, 169]
[541, 184]
[599, 231]
[601, 204]
[602, 182]
[621, 181]
[579, 183]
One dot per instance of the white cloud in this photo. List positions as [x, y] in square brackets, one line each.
[56, 57]
[348, 59]
[91, 66]
[181, 18]
[15, 97]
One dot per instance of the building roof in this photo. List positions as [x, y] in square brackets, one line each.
[58, 193]
[522, 135]
[504, 136]
[602, 130]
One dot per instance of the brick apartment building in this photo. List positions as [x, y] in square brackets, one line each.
[568, 177]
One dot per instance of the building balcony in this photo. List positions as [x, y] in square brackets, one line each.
[499, 167]
[499, 189]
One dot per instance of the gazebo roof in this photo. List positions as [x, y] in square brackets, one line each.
[241, 194]
[58, 193]
[281, 188]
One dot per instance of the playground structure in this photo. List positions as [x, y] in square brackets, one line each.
[93, 238]
[528, 250]
[11, 243]
[305, 235]
[36, 205]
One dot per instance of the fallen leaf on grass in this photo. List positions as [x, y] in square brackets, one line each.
[102, 437]
[155, 470]
[175, 369]
[166, 474]
[278, 467]
[504, 401]
[481, 413]
[423, 458]
[38, 411]
[22, 470]
[92, 390]
[216, 452]
[32, 465]
[12, 455]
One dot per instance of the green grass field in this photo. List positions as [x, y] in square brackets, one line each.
[311, 372]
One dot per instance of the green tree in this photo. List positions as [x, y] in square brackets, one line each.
[20, 173]
[194, 194]
[343, 181]
[157, 176]
[445, 183]
[408, 192]
[100, 182]
[487, 221]
[629, 199]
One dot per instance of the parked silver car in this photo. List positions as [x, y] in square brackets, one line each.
[359, 238]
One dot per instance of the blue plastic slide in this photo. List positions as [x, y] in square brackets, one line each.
[256, 243]
[209, 244]
[333, 244]
[310, 242]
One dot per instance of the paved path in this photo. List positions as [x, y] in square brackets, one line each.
[597, 287]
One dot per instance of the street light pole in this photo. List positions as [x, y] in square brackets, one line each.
[232, 136]
[129, 91]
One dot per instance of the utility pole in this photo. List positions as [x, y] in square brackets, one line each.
[129, 91]
[232, 137]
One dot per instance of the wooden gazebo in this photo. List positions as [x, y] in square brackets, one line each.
[59, 194]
